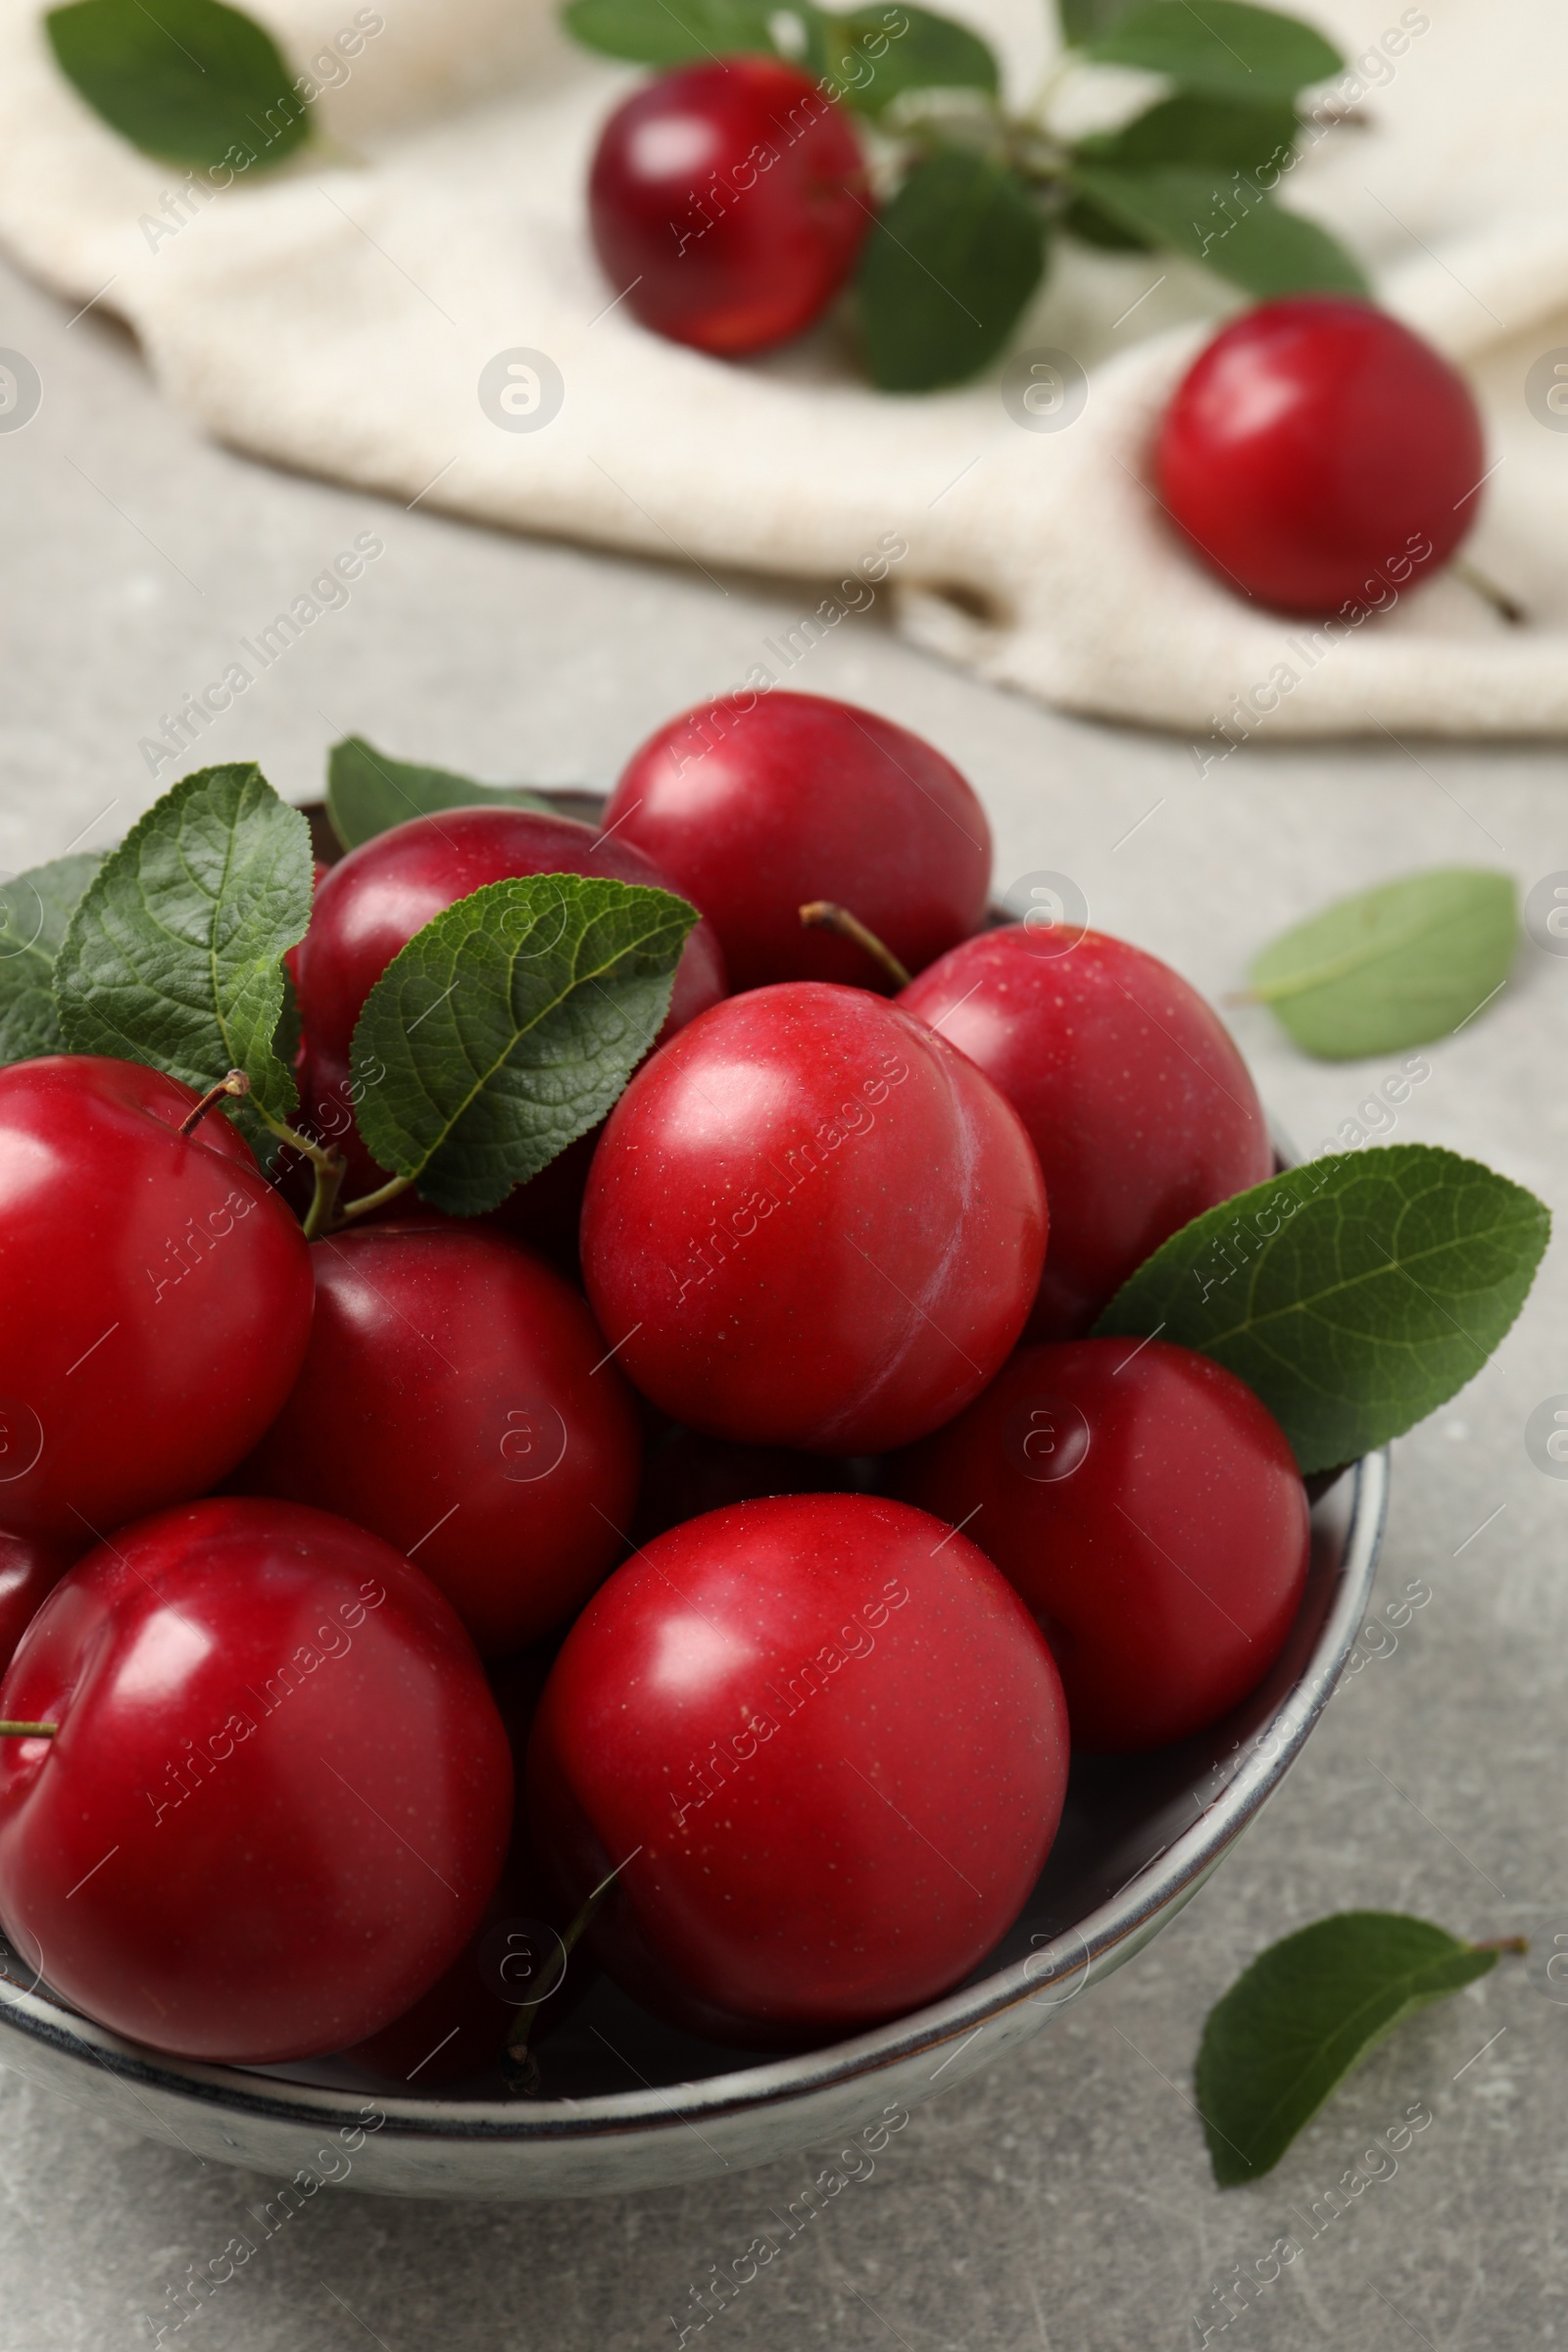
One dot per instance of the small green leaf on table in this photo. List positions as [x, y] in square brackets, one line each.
[668, 33]
[36, 908]
[1224, 47]
[191, 81]
[874, 55]
[173, 957]
[369, 792]
[509, 1026]
[1307, 2012]
[1393, 966]
[1355, 1294]
[1190, 129]
[948, 267]
[1238, 234]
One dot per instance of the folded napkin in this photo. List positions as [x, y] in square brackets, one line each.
[360, 318]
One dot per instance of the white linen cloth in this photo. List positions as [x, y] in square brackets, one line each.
[336, 315]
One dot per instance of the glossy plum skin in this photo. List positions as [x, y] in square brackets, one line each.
[28, 1573]
[1147, 1508]
[1139, 1106]
[157, 1297]
[281, 1792]
[1317, 450]
[456, 1401]
[835, 1748]
[731, 200]
[374, 900]
[810, 1222]
[753, 812]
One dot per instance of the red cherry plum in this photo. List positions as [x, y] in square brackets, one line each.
[279, 1795]
[1138, 1106]
[458, 1401]
[728, 203]
[1318, 454]
[810, 1222]
[755, 810]
[157, 1297]
[1147, 1506]
[824, 1744]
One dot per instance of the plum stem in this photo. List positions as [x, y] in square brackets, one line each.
[517, 2054]
[329, 1174]
[306, 1146]
[1503, 1943]
[1482, 584]
[377, 1199]
[326, 1211]
[236, 1083]
[822, 916]
[28, 1730]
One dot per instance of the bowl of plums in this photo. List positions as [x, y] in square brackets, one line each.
[666, 1476]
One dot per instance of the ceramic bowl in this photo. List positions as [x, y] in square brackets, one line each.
[629, 2103]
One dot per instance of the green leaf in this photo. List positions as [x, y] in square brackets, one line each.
[1307, 2012]
[1085, 19]
[288, 1035]
[1190, 129]
[1222, 46]
[367, 793]
[34, 911]
[1354, 1293]
[669, 32]
[874, 55]
[190, 81]
[870, 55]
[1236, 232]
[509, 1026]
[175, 955]
[1086, 221]
[947, 269]
[1393, 966]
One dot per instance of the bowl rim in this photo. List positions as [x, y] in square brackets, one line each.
[1075, 1957]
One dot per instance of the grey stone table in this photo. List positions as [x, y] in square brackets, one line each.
[1065, 2202]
